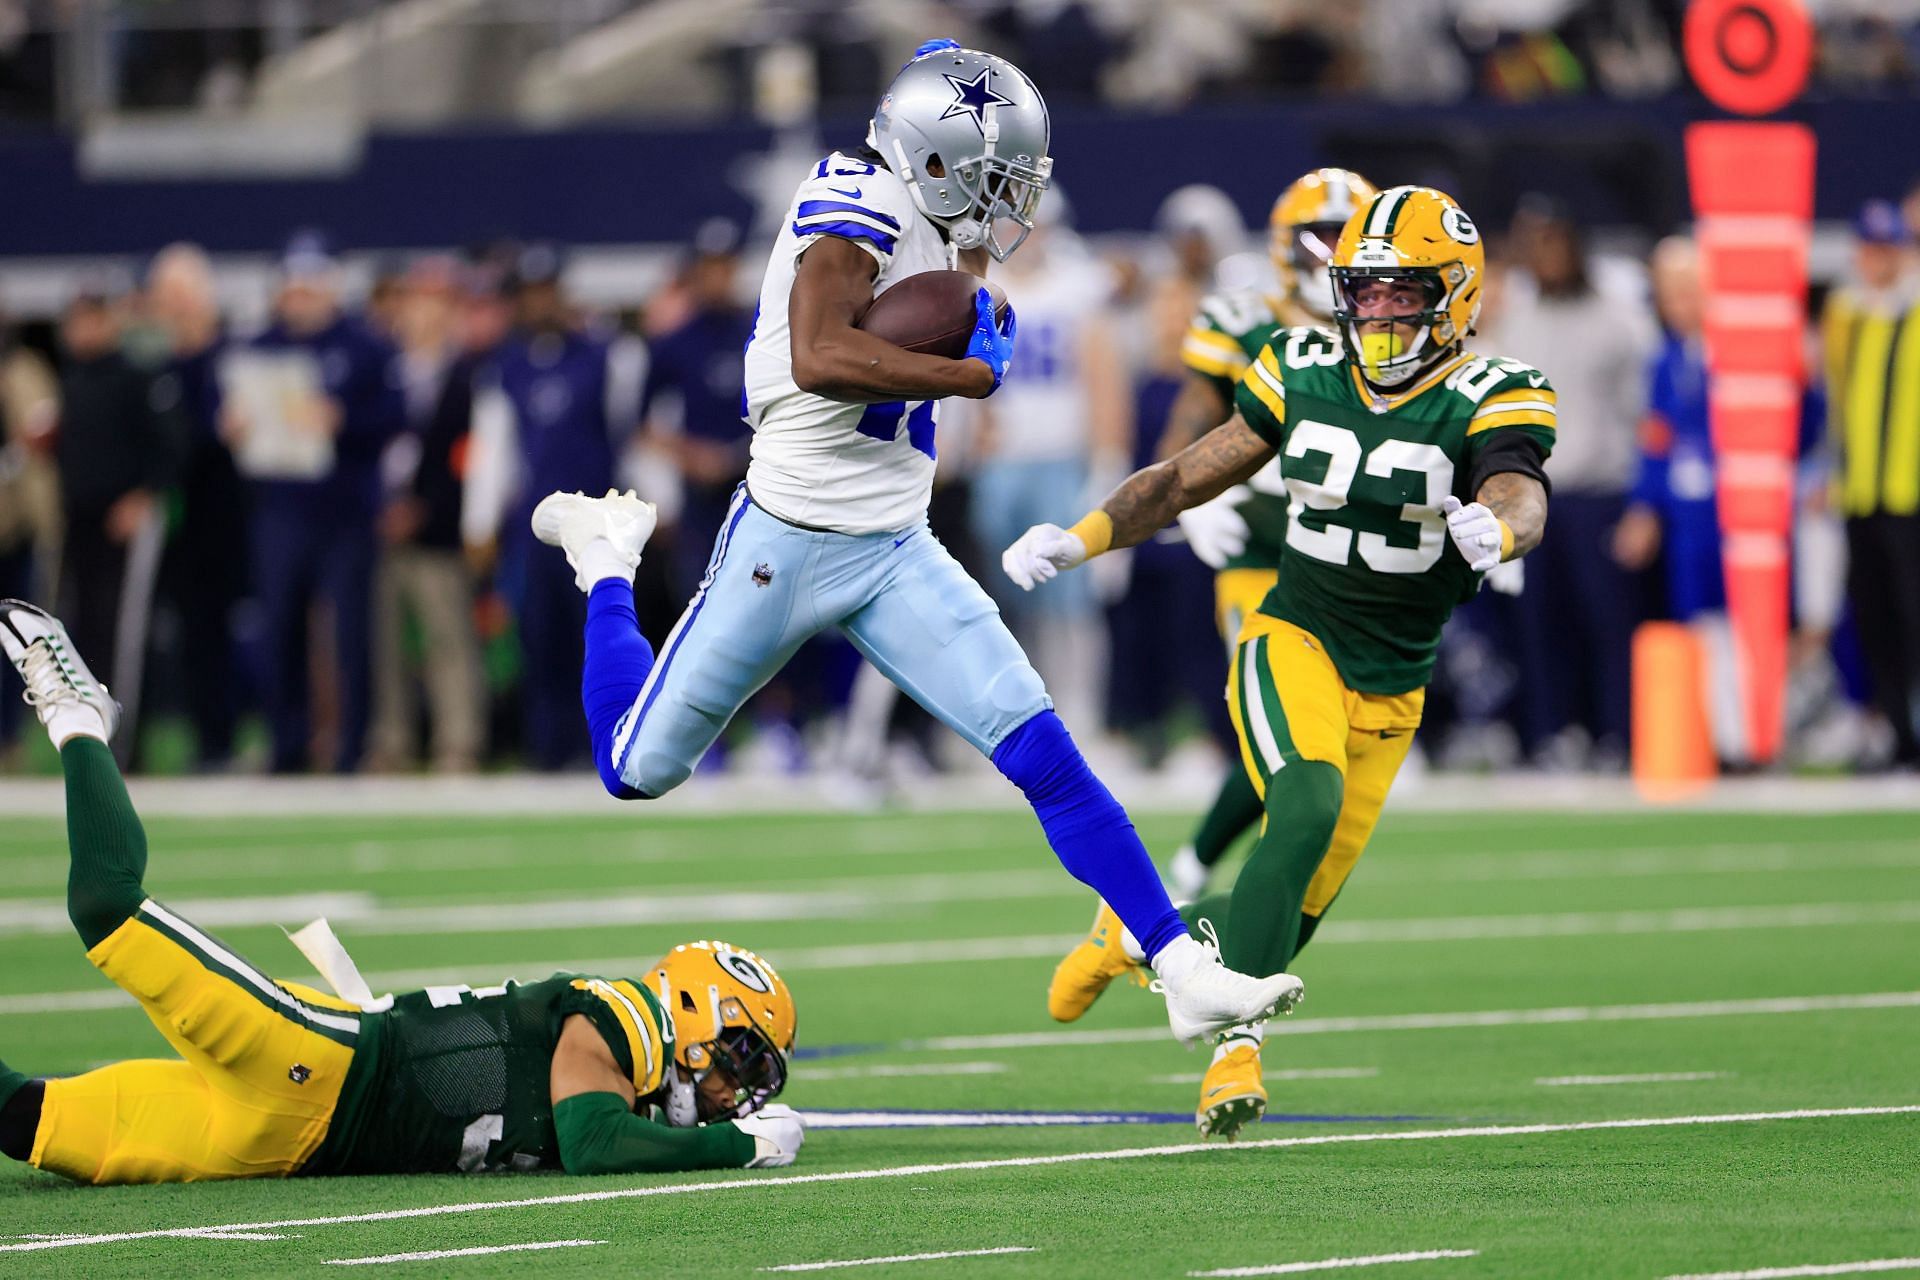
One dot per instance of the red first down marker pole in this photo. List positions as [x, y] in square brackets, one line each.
[1752, 188]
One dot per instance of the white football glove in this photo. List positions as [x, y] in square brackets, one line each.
[1475, 530]
[1215, 530]
[1039, 554]
[777, 1133]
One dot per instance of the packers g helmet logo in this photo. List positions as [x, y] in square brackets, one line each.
[1455, 222]
[746, 970]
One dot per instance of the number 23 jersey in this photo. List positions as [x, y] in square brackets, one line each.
[1367, 566]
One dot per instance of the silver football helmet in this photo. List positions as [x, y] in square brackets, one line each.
[978, 121]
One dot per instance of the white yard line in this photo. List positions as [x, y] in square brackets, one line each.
[1298, 1073]
[539, 795]
[1650, 1077]
[432, 1255]
[1217, 1150]
[680, 906]
[901, 1257]
[1442, 1021]
[889, 1071]
[1825, 1269]
[1340, 1264]
[366, 916]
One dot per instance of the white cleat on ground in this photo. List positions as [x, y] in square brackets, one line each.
[1204, 997]
[619, 523]
[60, 688]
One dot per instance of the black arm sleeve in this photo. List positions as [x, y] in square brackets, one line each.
[1508, 451]
[598, 1133]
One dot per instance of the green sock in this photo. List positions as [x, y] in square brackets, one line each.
[1262, 930]
[107, 843]
[1236, 808]
[11, 1082]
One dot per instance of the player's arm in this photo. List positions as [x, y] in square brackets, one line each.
[598, 1132]
[1510, 436]
[1144, 504]
[832, 288]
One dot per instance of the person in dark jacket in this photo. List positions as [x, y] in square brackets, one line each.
[552, 410]
[205, 577]
[314, 538]
[118, 447]
[423, 573]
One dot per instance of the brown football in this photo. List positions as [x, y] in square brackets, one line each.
[932, 312]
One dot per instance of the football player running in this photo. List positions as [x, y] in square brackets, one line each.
[1239, 534]
[276, 1079]
[1413, 467]
[830, 528]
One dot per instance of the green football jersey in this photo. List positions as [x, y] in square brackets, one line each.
[1222, 341]
[1367, 565]
[450, 1079]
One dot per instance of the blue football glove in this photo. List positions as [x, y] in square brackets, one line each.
[991, 344]
[931, 46]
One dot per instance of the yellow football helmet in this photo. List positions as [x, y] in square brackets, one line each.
[730, 1011]
[1407, 236]
[1303, 228]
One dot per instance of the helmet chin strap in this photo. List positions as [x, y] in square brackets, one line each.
[683, 1105]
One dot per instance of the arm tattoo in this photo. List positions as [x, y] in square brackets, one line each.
[1521, 501]
[1150, 498]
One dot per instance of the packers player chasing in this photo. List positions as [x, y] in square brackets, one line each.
[1412, 467]
[1240, 533]
[276, 1079]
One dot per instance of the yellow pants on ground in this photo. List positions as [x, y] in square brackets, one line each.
[260, 1072]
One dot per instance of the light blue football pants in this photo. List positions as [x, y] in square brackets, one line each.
[906, 604]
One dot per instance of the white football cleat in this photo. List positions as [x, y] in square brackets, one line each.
[602, 536]
[1204, 997]
[60, 688]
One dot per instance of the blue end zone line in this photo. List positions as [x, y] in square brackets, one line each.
[912, 1119]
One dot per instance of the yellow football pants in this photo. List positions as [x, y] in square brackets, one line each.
[251, 1096]
[1237, 594]
[1289, 704]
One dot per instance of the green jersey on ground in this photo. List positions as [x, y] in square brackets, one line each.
[1226, 335]
[1367, 565]
[450, 1079]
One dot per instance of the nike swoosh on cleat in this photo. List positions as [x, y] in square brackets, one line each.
[1536, 379]
[1217, 1088]
[851, 195]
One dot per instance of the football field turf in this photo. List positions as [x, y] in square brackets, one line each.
[1606, 1044]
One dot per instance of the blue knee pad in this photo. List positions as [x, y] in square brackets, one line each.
[1089, 831]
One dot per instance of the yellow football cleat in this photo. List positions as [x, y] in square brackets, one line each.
[1231, 1095]
[1096, 961]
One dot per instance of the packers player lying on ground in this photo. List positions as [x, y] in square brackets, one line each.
[275, 1079]
[1413, 467]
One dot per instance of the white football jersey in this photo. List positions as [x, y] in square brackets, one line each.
[851, 468]
[1043, 411]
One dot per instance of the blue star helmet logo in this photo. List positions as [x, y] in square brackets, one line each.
[973, 97]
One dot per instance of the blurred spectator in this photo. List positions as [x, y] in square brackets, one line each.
[1059, 436]
[1872, 335]
[118, 450]
[29, 492]
[207, 578]
[1166, 649]
[424, 586]
[555, 405]
[1579, 608]
[313, 535]
[691, 404]
[1208, 238]
[1673, 518]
